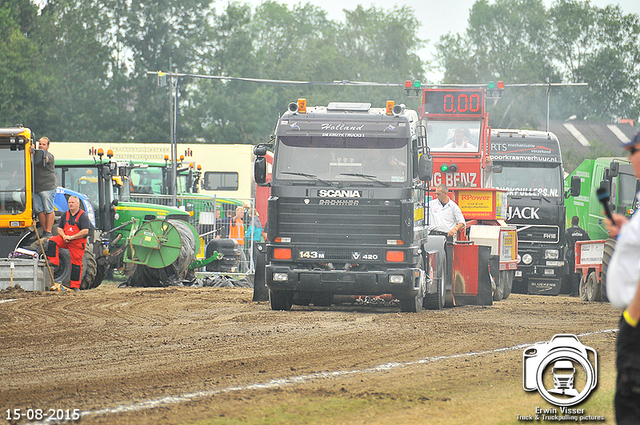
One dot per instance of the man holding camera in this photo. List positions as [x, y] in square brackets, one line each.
[623, 280]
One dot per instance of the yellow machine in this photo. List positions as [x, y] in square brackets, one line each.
[16, 206]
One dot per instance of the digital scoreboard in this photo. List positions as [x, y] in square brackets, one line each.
[464, 103]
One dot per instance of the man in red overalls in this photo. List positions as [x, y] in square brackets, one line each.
[73, 229]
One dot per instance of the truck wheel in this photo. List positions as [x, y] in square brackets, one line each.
[436, 301]
[583, 287]
[592, 287]
[280, 300]
[497, 288]
[507, 277]
[609, 246]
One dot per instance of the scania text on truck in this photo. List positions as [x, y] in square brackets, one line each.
[531, 170]
[346, 212]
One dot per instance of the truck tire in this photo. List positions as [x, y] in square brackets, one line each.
[583, 287]
[280, 300]
[437, 300]
[415, 303]
[507, 277]
[609, 247]
[592, 287]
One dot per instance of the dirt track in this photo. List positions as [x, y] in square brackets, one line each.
[114, 353]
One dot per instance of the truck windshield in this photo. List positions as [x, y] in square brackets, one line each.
[341, 159]
[12, 181]
[147, 181]
[453, 136]
[534, 180]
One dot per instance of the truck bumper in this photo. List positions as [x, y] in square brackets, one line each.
[541, 279]
[341, 282]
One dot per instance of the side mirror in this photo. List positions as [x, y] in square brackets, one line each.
[260, 150]
[614, 169]
[260, 170]
[425, 167]
[575, 186]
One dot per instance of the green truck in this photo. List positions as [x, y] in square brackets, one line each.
[615, 174]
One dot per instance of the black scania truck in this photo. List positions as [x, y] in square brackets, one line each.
[347, 206]
[532, 173]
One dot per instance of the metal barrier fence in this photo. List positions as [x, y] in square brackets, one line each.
[211, 217]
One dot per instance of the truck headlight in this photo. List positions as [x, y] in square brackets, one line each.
[527, 259]
[280, 277]
[551, 254]
[396, 278]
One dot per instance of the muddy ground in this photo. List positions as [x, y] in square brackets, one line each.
[182, 355]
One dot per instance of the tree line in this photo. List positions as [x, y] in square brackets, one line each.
[79, 69]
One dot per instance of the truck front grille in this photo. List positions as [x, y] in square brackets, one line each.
[365, 224]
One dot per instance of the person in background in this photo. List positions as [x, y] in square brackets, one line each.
[73, 228]
[221, 226]
[572, 235]
[236, 232]
[44, 191]
[461, 140]
[623, 280]
[446, 216]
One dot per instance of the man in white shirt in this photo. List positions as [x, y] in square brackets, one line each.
[623, 280]
[444, 214]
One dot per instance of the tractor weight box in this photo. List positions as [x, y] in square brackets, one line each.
[30, 273]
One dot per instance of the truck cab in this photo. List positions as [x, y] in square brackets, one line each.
[346, 212]
[531, 171]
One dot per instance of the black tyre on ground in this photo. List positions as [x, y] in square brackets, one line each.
[415, 303]
[592, 287]
[507, 277]
[436, 301]
[609, 247]
[583, 287]
[89, 269]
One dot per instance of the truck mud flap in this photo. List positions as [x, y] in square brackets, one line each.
[471, 284]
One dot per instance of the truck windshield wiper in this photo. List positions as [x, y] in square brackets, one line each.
[311, 176]
[366, 176]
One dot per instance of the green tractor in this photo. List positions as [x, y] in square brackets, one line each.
[99, 181]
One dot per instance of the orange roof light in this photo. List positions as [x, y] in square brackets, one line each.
[110, 153]
[390, 105]
[302, 106]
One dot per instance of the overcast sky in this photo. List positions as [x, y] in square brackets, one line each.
[438, 17]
